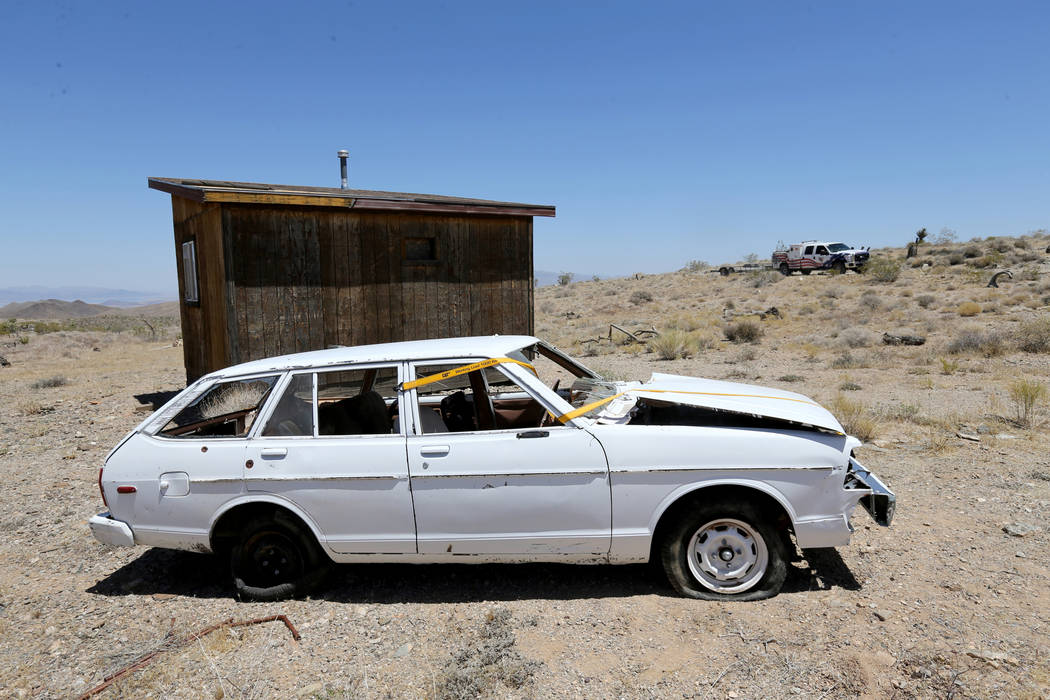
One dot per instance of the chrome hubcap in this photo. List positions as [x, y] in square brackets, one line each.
[727, 556]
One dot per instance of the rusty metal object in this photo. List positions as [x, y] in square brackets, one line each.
[890, 339]
[148, 657]
[642, 335]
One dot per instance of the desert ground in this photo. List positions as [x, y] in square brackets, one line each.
[952, 601]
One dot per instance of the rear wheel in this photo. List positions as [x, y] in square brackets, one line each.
[784, 269]
[724, 551]
[274, 559]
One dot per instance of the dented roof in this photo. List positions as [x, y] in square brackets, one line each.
[372, 200]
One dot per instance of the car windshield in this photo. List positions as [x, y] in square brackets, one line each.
[837, 247]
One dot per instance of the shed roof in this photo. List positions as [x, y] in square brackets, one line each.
[301, 195]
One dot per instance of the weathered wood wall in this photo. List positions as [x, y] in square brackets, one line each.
[206, 344]
[297, 279]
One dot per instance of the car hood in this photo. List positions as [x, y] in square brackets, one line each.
[747, 399]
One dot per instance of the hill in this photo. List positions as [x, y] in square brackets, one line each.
[53, 309]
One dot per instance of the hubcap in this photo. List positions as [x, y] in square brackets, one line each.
[727, 556]
[271, 558]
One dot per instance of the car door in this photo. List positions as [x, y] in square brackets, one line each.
[330, 446]
[498, 482]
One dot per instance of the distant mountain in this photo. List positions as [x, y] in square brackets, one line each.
[89, 295]
[51, 309]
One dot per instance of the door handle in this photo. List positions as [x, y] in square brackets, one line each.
[434, 450]
[532, 434]
[274, 452]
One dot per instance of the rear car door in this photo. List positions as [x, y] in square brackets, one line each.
[333, 446]
[488, 478]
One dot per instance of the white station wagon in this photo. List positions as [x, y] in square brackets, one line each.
[491, 449]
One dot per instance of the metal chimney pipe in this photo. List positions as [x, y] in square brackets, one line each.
[343, 155]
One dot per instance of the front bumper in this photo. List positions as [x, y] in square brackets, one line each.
[881, 502]
[109, 531]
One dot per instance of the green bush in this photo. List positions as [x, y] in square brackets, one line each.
[883, 270]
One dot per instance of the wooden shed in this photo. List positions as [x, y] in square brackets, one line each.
[272, 269]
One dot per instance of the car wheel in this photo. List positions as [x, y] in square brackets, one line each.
[839, 267]
[724, 271]
[724, 551]
[784, 269]
[274, 559]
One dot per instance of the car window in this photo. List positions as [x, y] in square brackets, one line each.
[357, 401]
[821, 250]
[483, 399]
[836, 247]
[808, 251]
[227, 409]
[294, 413]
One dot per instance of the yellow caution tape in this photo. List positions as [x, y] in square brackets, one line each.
[465, 369]
[576, 413]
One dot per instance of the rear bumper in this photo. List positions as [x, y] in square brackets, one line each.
[109, 531]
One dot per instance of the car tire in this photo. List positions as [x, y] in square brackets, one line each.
[839, 267]
[274, 559]
[724, 271]
[784, 269]
[724, 551]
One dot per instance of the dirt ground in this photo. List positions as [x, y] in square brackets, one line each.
[945, 603]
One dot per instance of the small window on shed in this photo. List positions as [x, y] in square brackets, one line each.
[189, 272]
[420, 250]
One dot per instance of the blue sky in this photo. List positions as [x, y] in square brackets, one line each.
[663, 132]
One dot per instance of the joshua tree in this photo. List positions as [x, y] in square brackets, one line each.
[920, 235]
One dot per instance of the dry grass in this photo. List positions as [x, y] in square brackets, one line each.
[1027, 396]
[744, 331]
[969, 308]
[855, 417]
[1034, 335]
[233, 397]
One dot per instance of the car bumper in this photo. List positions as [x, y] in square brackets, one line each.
[109, 531]
[881, 502]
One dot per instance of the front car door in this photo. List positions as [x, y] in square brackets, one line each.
[488, 478]
[333, 446]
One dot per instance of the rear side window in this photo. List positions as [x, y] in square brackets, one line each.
[227, 409]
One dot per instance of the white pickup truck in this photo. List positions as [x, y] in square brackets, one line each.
[819, 255]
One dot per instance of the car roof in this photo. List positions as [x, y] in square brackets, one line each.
[485, 346]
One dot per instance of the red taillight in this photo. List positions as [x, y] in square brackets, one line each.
[126, 489]
[100, 489]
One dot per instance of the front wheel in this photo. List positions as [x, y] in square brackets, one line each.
[275, 559]
[839, 267]
[724, 551]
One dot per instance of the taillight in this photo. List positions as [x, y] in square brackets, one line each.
[100, 489]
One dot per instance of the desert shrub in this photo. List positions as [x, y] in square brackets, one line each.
[871, 299]
[50, 382]
[233, 397]
[832, 292]
[977, 342]
[763, 279]
[972, 251]
[640, 297]
[1021, 243]
[696, 266]
[564, 278]
[791, 378]
[846, 361]
[956, 258]
[672, 344]
[1034, 335]
[855, 417]
[883, 269]
[925, 300]
[850, 386]
[969, 308]
[742, 332]
[857, 337]
[1001, 245]
[948, 366]
[1026, 395]
[984, 261]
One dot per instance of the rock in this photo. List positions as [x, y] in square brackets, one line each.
[402, 651]
[1020, 529]
[4, 362]
[903, 339]
[967, 436]
[881, 616]
[993, 657]
[308, 690]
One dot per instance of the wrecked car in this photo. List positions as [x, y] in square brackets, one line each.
[490, 449]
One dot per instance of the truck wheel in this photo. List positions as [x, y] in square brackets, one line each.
[784, 269]
[274, 559]
[724, 551]
[724, 271]
[839, 267]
